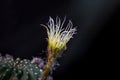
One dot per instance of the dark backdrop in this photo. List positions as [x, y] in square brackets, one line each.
[90, 54]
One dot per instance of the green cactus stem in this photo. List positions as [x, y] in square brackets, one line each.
[18, 69]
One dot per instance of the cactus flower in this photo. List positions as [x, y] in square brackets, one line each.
[58, 36]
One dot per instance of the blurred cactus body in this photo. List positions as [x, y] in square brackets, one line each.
[18, 69]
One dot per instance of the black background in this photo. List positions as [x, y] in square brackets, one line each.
[90, 54]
